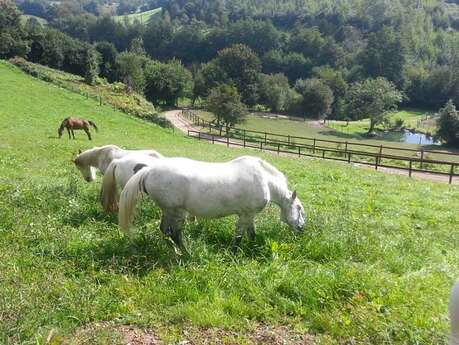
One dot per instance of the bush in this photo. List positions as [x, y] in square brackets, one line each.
[448, 124]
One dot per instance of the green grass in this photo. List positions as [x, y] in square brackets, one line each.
[337, 131]
[374, 266]
[142, 17]
[26, 17]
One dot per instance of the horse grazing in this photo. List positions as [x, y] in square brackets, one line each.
[242, 186]
[72, 123]
[118, 173]
[101, 157]
[454, 314]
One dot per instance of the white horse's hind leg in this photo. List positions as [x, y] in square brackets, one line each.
[171, 225]
[245, 223]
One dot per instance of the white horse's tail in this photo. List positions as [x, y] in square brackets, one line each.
[128, 199]
[109, 192]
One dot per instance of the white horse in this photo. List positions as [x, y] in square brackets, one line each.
[101, 157]
[118, 173]
[454, 314]
[210, 190]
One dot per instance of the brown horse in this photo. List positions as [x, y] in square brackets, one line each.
[72, 123]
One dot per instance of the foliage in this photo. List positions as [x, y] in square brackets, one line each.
[130, 70]
[108, 55]
[373, 98]
[275, 92]
[448, 124]
[167, 82]
[225, 103]
[241, 67]
[12, 36]
[317, 98]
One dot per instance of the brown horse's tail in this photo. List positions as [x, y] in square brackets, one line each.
[94, 125]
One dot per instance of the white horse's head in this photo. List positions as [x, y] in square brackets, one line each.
[292, 213]
[88, 172]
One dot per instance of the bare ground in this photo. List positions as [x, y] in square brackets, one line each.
[184, 126]
[109, 332]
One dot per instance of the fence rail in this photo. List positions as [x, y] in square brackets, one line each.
[243, 138]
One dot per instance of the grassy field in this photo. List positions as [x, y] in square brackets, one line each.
[142, 17]
[332, 130]
[26, 17]
[374, 266]
[338, 131]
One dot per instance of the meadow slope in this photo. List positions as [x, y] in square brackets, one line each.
[374, 265]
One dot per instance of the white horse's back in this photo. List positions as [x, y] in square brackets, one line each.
[209, 189]
[118, 173]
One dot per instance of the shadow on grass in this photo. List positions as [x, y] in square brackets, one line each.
[356, 136]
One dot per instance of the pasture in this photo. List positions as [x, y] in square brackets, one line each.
[142, 17]
[354, 131]
[374, 266]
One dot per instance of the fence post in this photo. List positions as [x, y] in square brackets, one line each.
[299, 151]
[261, 145]
[227, 139]
[244, 137]
[451, 173]
[213, 139]
[349, 157]
[411, 167]
[323, 154]
[210, 128]
[345, 147]
[314, 147]
[278, 148]
[380, 150]
[100, 100]
[376, 163]
[265, 137]
[199, 135]
[422, 157]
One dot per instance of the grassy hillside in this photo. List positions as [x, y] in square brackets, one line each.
[374, 265]
[142, 17]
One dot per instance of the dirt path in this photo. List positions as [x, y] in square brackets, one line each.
[174, 117]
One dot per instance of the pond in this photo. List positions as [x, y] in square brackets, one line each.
[408, 137]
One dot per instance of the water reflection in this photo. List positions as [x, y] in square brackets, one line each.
[408, 137]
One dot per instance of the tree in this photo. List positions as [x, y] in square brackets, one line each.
[225, 103]
[167, 82]
[108, 56]
[129, 69]
[448, 124]
[275, 92]
[385, 56]
[335, 81]
[241, 66]
[317, 97]
[373, 98]
[12, 36]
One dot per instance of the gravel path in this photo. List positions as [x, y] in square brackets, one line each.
[174, 117]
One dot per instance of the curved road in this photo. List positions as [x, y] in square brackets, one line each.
[181, 124]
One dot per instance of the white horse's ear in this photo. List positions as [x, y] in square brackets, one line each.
[294, 195]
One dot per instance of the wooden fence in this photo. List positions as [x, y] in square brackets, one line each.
[344, 151]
